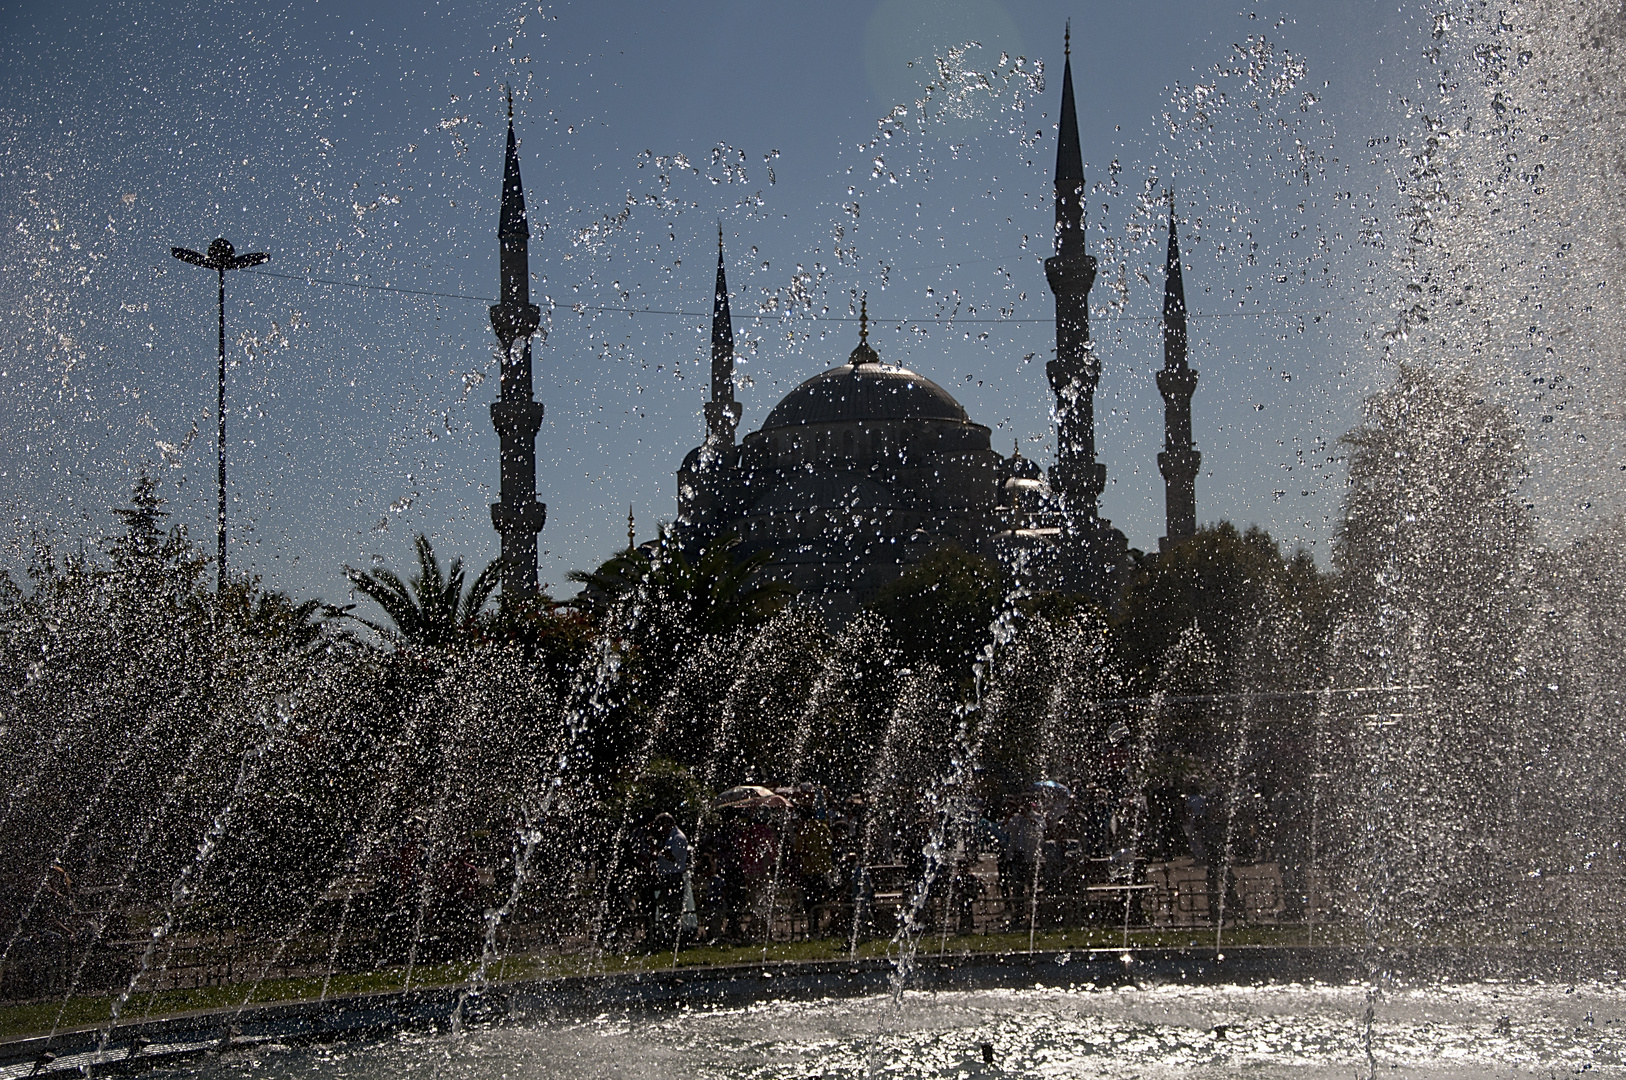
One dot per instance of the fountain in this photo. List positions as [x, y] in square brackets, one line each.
[1316, 820]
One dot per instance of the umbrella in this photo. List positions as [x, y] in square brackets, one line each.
[744, 795]
[1050, 787]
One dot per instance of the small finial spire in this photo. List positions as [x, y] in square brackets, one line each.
[863, 354]
[632, 533]
[1016, 447]
[1067, 40]
[719, 236]
[510, 90]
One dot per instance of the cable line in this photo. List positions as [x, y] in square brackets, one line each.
[309, 280]
[938, 320]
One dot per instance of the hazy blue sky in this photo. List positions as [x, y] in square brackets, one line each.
[362, 142]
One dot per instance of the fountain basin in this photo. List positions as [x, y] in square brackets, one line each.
[1287, 977]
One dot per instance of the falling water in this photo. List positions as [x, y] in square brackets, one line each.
[834, 675]
[954, 785]
[1460, 720]
[761, 658]
[882, 777]
[185, 884]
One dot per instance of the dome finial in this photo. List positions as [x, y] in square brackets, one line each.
[1067, 40]
[632, 532]
[864, 354]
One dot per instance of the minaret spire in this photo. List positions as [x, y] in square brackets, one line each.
[519, 516]
[1076, 479]
[1174, 299]
[722, 411]
[1179, 460]
[1069, 176]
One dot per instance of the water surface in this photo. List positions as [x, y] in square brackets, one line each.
[1482, 1031]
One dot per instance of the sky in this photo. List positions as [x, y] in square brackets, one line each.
[900, 149]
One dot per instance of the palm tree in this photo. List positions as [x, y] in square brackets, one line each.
[274, 617]
[703, 588]
[431, 610]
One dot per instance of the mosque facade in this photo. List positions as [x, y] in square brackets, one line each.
[863, 470]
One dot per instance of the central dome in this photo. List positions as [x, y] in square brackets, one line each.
[865, 391]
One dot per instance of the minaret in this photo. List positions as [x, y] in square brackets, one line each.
[722, 411]
[1179, 460]
[1076, 479]
[519, 516]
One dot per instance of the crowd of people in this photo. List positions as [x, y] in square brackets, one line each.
[822, 863]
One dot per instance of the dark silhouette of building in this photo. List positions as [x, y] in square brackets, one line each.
[722, 411]
[861, 471]
[1088, 554]
[854, 475]
[1179, 460]
[707, 491]
[519, 516]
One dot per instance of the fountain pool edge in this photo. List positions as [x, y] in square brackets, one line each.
[155, 1042]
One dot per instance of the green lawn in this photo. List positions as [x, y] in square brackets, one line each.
[38, 1018]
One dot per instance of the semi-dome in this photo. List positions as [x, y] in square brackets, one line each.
[1017, 467]
[865, 391]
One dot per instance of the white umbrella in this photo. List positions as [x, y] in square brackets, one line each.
[742, 795]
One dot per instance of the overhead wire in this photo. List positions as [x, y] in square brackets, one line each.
[311, 280]
[937, 320]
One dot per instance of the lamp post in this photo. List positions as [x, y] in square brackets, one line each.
[221, 257]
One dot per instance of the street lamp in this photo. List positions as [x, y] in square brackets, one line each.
[221, 257]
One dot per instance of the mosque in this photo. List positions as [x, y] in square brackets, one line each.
[861, 471]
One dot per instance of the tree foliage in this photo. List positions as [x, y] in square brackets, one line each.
[183, 756]
[432, 610]
[939, 611]
[1228, 583]
[700, 591]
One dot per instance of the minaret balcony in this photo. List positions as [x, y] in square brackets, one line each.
[1070, 277]
[524, 518]
[516, 418]
[1179, 464]
[1086, 477]
[724, 416]
[1177, 384]
[1073, 379]
[511, 322]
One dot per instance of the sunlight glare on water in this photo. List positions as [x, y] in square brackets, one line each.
[1484, 1030]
